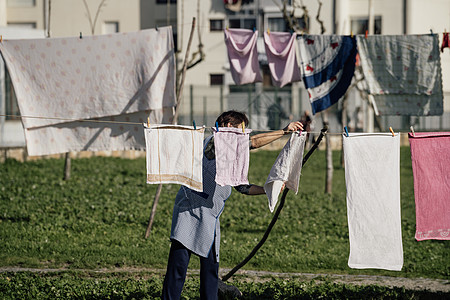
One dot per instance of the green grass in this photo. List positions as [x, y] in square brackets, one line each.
[98, 218]
[76, 285]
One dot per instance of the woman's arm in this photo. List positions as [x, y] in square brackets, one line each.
[250, 189]
[262, 139]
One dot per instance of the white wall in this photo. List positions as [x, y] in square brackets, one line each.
[391, 12]
[213, 42]
[70, 17]
[3, 13]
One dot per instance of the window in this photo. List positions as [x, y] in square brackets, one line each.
[165, 1]
[280, 25]
[23, 24]
[110, 27]
[216, 79]
[244, 18]
[249, 24]
[215, 25]
[277, 24]
[21, 3]
[360, 25]
[242, 23]
[236, 23]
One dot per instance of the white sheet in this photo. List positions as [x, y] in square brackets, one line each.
[59, 81]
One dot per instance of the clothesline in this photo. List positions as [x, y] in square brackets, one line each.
[302, 32]
[140, 123]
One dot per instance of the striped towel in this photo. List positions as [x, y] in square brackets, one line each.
[327, 63]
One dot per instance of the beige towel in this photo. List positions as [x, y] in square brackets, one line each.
[174, 155]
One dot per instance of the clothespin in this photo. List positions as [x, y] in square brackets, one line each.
[268, 31]
[148, 122]
[227, 27]
[1, 38]
[156, 28]
[392, 131]
[193, 123]
[217, 126]
[254, 29]
[367, 32]
[243, 126]
[346, 131]
[81, 35]
[412, 130]
[431, 31]
[351, 34]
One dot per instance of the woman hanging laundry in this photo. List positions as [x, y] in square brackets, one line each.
[195, 220]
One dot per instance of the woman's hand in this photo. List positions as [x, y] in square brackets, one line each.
[293, 126]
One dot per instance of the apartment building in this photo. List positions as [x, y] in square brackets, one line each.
[208, 87]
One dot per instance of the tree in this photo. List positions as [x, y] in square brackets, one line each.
[97, 13]
[294, 25]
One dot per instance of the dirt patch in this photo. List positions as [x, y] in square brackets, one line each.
[418, 284]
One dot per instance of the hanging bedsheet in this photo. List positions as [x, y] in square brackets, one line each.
[403, 73]
[174, 155]
[282, 57]
[243, 55]
[430, 157]
[327, 63]
[372, 178]
[60, 81]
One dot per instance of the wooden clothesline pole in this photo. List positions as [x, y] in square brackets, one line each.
[277, 213]
[174, 121]
[67, 160]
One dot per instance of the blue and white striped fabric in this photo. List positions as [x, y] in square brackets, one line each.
[327, 63]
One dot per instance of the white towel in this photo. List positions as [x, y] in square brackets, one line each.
[232, 148]
[286, 169]
[174, 155]
[372, 177]
[60, 80]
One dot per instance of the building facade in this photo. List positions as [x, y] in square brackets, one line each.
[208, 87]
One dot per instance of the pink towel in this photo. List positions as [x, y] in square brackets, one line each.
[281, 55]
[232, 148]
[243, 55]
[430, 157]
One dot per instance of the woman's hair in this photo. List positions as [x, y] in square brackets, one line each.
[233, 117]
